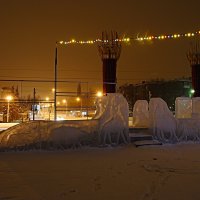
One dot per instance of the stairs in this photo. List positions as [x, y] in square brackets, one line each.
[142, 137]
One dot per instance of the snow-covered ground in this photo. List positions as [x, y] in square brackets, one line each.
[165, 172]
[5, 126]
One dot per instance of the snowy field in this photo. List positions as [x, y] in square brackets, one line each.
[166, 172]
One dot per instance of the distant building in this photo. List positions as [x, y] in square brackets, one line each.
[12, 91]
[167, 90]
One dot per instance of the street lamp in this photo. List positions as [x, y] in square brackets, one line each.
[79, 99]
[48, 108]
[99, 94]
[64, 101]
[8, 98]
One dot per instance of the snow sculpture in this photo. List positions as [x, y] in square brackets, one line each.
[141, 114]
[112, 114]
[196, 107]
[188, 129]
[48, 134]
[162, 121]
[110, 125]
[183, 107]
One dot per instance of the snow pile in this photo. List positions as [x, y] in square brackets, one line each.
[141, 114]
[110, 125]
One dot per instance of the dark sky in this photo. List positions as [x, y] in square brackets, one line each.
[30, 28]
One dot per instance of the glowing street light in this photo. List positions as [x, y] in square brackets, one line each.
[99, 94]
[78, 99]
[8, 98]
[64, 101]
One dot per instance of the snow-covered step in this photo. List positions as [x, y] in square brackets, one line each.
[139, 137]
[146, 143]
[138, 130]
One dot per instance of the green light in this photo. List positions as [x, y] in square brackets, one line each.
[192, 91]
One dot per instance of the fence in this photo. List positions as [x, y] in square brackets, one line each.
[35, 100]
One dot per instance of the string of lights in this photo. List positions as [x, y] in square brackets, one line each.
[138, 38]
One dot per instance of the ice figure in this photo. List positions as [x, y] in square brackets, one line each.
[48, 134]
[188, 129]
[196, 107]
[112, 114]
[188, 118]
[110, 125]
[162, 121]
[183, 107]
[141, 114]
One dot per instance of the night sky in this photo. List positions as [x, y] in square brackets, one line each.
[30, 29]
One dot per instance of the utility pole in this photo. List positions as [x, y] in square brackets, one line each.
[55, 83]
[34, 104]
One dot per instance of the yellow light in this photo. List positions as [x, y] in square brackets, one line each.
[9, 98]
[78, 99]
[64, 100]
[162, 37]
[61, 42]
[99, 94]
[73, 40]
[47, 98]
[141, 39]
[150, 37]
[58, 103]
[189, 34]
[53, 90]
[126, 39]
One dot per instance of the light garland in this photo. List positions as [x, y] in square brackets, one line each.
[171, 36]
[128, 39]
[73, 41]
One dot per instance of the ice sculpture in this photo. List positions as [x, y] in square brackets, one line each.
[196, 107]
[162, 121]
[188, 129]
[112, 114]
[141, 114]
[183, 107]
[188, 118]
[110, 125]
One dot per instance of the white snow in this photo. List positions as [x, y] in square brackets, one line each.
[145, 173]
